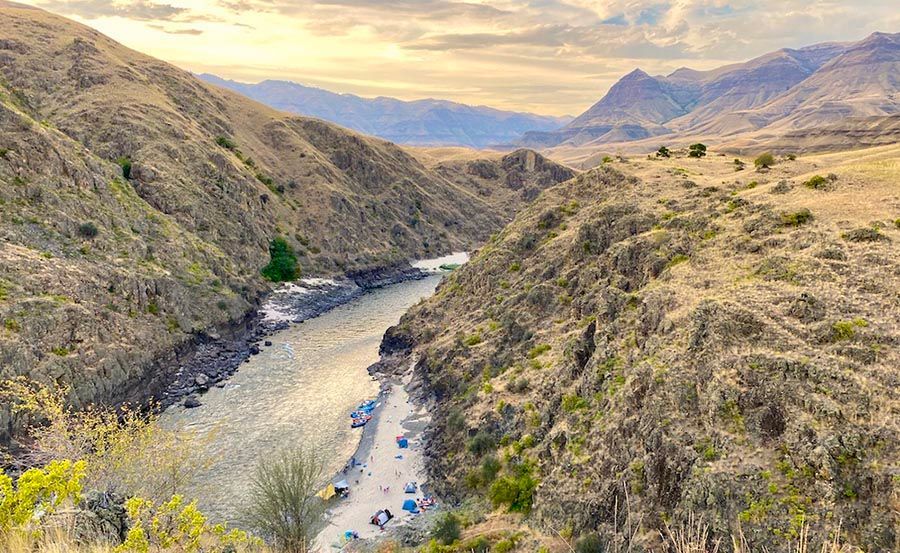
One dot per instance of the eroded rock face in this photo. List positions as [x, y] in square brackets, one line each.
[619, 339]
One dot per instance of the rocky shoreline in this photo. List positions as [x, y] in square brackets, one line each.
[213, 357]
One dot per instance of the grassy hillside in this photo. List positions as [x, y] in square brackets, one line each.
[667, 337]
[137, 205]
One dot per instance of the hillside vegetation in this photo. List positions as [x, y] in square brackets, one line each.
[138, 205]
[668, 337]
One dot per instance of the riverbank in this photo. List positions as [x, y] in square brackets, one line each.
[212, 358]
[385, 468]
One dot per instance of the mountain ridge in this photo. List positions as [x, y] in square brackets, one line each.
[788, 89]
[423, 122]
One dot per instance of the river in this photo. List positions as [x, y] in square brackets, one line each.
[296, 392]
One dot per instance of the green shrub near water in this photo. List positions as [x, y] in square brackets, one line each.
[283, 265]
[516, 490]
[447, 529]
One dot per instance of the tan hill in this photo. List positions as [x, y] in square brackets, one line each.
[103, 274]
[660, 339]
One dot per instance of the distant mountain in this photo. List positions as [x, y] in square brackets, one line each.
[782, 91]
[419, 123]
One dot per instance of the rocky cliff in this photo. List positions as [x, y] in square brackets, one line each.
[674, 338]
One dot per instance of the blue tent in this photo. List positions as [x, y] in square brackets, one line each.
[410, 487]
[410, 505]
[403, 443]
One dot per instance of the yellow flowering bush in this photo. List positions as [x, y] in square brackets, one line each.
[37, 493]
[178, 526]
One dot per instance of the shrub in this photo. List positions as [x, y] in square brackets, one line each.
[447, 528]
[663, 152]
[226, 143]
[125, 163]
[283, 506]
[126, 451]
[846, 330]
[591, 543]
[816, 182]
[538, 350]
[516, 491]
[282, 265]
[867, 234]
[764, 161]
[739, 165]
[481, 443]
[88, 230]
[472, 339]
[697, 150]
[573, 402]
[796, 218]
[37, 490]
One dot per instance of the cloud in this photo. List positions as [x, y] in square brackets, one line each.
[172, 31]
[554, 56]
[141, 10]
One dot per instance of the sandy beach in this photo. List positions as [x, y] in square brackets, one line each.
[378, 483]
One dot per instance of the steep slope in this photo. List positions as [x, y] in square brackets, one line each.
[524, 174]
[635, 107]
[864, 81]
[106, 272]
[420, 122]
[752, 84]
[678, 340]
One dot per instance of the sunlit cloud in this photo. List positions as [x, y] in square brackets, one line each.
[548, 56]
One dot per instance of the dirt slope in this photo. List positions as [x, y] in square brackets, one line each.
[675, 337]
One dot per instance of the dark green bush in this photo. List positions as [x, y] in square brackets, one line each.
[697, 150]
[88, 230]
[283, 265]
[447, 528]
[663, 152]
[226, 142]
[125, 163]
[481, 443]
[591, 543]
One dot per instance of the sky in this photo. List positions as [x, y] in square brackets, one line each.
[552, 57]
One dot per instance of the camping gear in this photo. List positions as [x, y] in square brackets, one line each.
[327, 492]
[361, 421]
[342, 488]
[410, 505]
[403, 443]
[381, 517]
[368, 406]
[410, 487]
[351, 535]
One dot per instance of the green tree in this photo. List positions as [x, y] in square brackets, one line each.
[697, 150]
[282, 265]
[283, 506]
[663, 152]
[764, 161]
[125, 163]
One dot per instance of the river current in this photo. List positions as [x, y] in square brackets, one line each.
[296, 392]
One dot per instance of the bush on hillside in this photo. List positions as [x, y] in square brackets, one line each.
[697, 150]
[663, 152]
[88, 230]
[125, 163]
[447, 529]
[764, 161]
[282, 265]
